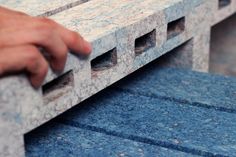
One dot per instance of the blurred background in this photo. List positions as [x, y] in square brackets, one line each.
[223, 47]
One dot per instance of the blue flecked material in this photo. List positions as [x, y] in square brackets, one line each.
[186, 86]
[57, 140]
[197, 130]
[148, 113]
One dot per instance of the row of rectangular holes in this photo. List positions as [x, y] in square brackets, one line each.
[142, 44]
[109, 59]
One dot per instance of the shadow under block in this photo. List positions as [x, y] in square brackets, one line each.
[103, 23]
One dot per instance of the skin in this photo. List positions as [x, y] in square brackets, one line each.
[21, 38]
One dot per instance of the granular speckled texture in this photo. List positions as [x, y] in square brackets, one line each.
[58, 140]
[168, 123]
[221, 13]
[104, 29]
[124, 122]
[41, 7]
[200, 89]
[108, 24]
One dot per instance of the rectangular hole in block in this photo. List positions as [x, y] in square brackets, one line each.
[58, 87]
[105, 61]
[175, 28]
[224, 3]
[145, 42]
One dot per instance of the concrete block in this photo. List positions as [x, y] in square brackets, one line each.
[110, 31]
[107, 34]
[11, 121]
[58, 140]
[222, 10]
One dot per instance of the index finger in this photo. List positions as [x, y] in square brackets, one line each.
[73, 40]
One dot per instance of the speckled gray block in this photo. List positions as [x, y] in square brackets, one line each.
[41, 7]
[11, 121]
[117, 26]
[105, 31]
[222, 10]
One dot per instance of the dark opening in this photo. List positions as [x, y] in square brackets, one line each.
[224, 3]
[60, 85]
[145, 42]
[175, 28]
[105, 61]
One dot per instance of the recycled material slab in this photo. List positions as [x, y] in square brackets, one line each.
[200, 89]
[168, 123]
[58, 140]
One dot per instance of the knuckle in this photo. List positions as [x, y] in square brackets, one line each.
[45, 33]
[45, 27]
[31, 50]
[33, 53]
[45, 20]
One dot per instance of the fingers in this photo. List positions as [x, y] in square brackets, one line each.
[49, 35]
[20, 35]
[44, 37]
[24, 58]
[76, 42]
[73, 40]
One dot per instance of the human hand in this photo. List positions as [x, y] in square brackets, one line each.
[21, 36]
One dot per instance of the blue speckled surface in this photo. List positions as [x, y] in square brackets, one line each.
[115, 115]
[170, 124]
[200, 89]
[57, 140]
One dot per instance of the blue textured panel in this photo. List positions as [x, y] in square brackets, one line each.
[56, 140]
[155, 121]
[185, 86]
